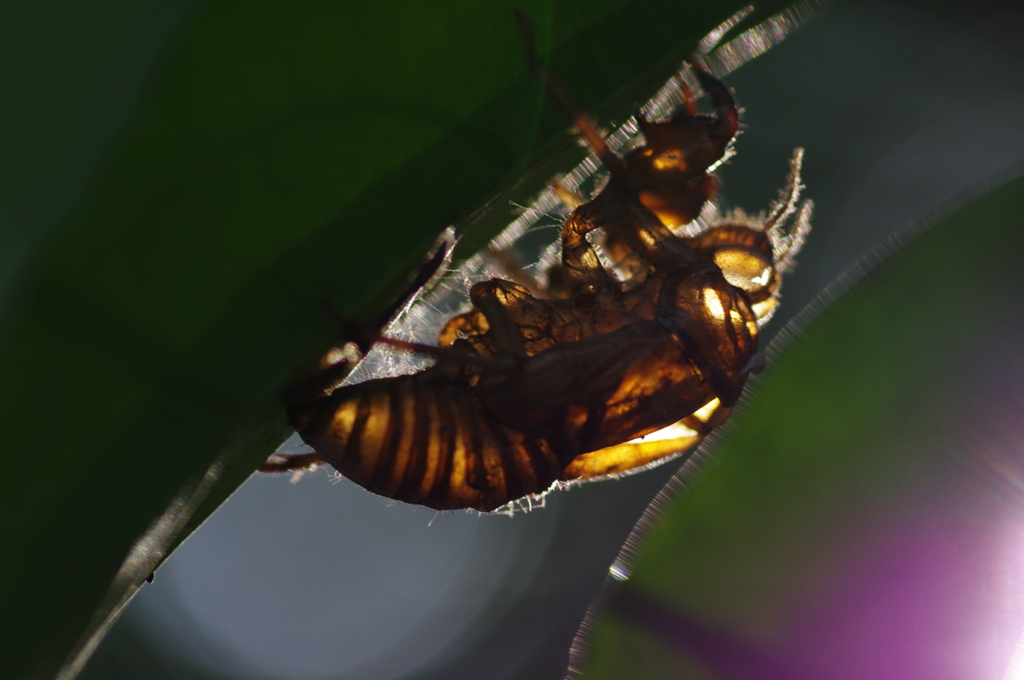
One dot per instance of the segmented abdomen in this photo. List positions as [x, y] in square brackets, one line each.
[425, 439]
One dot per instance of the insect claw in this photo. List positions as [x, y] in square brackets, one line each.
[422, 278]
[687, 98]
[365, 334]
[726, 115]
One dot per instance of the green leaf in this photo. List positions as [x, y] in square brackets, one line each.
[280, 156]
[878, 537]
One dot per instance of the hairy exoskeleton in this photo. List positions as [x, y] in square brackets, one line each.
[530, 392]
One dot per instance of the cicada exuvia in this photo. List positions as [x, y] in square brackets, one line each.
[636, 345]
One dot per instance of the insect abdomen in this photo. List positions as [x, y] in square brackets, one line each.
[425, 439]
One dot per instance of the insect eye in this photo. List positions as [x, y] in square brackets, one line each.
[746, 268]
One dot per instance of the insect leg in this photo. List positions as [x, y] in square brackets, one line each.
[331, 373]
[470, 323]
[502, 311]
[361, 336]
[654, 449]
[708, 417]
[633, 456]
[503, 326]
[292, 462]
[367, 334]
[727, 118]
[594, 139]
[687, 98]
[582, 268]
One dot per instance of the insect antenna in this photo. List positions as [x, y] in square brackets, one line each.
[594, 139]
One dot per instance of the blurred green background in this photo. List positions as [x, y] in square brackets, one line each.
[902, 107]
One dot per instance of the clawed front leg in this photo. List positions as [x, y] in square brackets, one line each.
[727, 118]
[584, 273]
